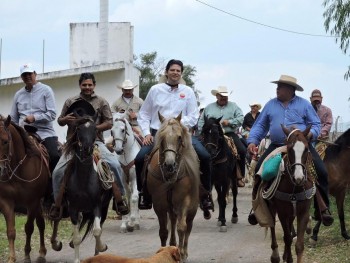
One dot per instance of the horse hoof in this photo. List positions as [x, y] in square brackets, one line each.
[123, 230]
[130, 229]
[223, 229]
[71, 244]
[41, 260]
[312, 243]
[206, 214]
[104, 249]
[308, 231]
[345, 235]
[57, 245]
[137, 227]
[234, 219]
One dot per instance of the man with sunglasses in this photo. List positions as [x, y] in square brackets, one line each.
[87, 84]
[34, 106]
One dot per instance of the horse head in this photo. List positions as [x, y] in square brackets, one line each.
[5, 145]
[170, 142]
[120, 131]
[84, 136]
[298, 154]
[212, 134]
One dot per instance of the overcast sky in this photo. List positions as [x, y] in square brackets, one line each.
[225, 50]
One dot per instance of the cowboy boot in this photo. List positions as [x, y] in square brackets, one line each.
[121, 203]
[56, 209]
[251, 217]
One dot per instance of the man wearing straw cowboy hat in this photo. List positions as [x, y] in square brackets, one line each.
[250, 118]
[292, 111]
[232, 119]
[129, 103]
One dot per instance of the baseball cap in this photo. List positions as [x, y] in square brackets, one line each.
[27, 68]
[316, 95]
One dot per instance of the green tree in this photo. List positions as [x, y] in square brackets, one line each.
[152, 67]
[337, 23]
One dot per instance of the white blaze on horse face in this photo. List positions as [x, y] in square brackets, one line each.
[118, 131]
[298, 148]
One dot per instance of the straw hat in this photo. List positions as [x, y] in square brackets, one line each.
[127, 84]
[222, 90]
[255, 104]
[290, 81]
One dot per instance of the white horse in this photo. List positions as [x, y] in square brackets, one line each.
[126, 146]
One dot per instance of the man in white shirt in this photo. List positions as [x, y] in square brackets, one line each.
[170, 99]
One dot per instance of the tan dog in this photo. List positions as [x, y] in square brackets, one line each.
[168, 254]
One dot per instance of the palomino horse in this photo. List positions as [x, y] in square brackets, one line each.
[291, 193]
[173, 182]
[337, 162]
[86, 198]
[224, 167]
[24, 177]
[126, 146]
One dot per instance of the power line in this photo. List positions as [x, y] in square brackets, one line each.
[261, 24]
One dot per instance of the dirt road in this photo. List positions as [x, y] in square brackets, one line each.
[242, 243]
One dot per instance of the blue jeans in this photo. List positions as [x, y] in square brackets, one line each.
[106, 155]
[203, 156]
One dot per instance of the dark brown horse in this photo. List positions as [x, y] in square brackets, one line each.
[173, 182]
[224, 167]
[24, 177]
[337, 162]
[291, 193]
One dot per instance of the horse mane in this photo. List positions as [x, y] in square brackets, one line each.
[209, 122]
[342, 142]
[188, 155]
[69, 146]
[29, 145]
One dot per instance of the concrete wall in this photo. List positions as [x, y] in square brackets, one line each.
[85, 40]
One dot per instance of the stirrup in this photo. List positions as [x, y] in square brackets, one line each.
[145, 201]
[55, 213]
[122, 207]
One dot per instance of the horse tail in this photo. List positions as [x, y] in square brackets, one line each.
[88, 219]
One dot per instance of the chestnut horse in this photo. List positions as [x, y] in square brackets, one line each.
[290, 195]
[173, 182]
[24, 178]
[224, 167]
[337, 162]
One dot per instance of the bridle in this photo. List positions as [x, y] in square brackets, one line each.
[126, 133]
[213, 145]
[80, 152]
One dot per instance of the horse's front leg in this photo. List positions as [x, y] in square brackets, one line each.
[234, 189]
[181, 232]
[340, 197]
[9, 214]
[29, 229]
[286, 223]
[76, 221]
[163, 229]
[40, 222]
[134, 209]
[302, 222]
[275, 256]
[55, 244]
[221, 190]
[173, 222]
[97, 232]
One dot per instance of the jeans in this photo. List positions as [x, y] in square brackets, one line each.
[51, 145]
[203, 156]
[106, 155]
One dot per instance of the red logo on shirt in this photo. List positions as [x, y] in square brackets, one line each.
[182, 95]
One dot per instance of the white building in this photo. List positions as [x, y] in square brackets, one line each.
[104, 49]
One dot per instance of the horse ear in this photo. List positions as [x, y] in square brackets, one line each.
[178, 118]
[8, 121]
[285, 130]
[160, 116]
[307, 130]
